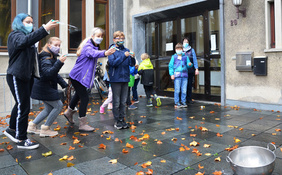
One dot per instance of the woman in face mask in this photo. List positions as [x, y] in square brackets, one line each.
[46, 88]
[21, 70]
[82, 75]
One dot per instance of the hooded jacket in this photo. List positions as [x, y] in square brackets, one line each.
[22, 52]
[46, 87]
[179, 68]
[146, 70]
[85, 66]
[119, 65]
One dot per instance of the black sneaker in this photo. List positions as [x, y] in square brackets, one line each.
[118, 125]
[124, 124]
[11, 134]
[27, 144]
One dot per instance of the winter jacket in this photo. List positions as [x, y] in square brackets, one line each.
[179, 68]
[119, 65]
[85, 66]
[22, 52]
[146, 70]
[193, 59]
[46, 87]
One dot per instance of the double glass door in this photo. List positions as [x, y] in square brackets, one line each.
[203, 32]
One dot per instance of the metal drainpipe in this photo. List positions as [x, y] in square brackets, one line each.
[29, 10]
[222, 48]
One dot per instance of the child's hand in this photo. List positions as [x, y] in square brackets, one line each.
[172, 77]
[136, 66]
[63, 58]
[132, 54]
[110, 51]
[126, 53]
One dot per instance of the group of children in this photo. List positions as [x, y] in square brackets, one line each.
[121, 71]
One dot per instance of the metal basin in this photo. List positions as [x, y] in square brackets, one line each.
[252, 160]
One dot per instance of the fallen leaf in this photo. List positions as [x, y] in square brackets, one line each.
[80, 146]
[217, 173]
[199, 173]
[140, 173]
[159, 142]
[193, 135]
[64, 158]
[143, 116]
[194, 143]
[203, 129]
[218, 159]
[70, 158]
[28, 157]
[178, 118]
[49, 153]
[232, 148]
[281, 149]
[116, 139]
[129, 145]
[145, 165]
[71, 148]
[2, 150]
[109, 138]
[113, 161]
[149, 172]
[163, 133]
[217, 125]
[207, 145]
[144, 143]
[181, 149]
[124, 151]
[253, 135]
[236, 140]
[107, 132]
[9, 147]
[146, 136]
[58, 128]
[278, 130]
[207, 154]
[219, 135]
[211, 112]
[64, 143]
[133, 127]
[163, 161]
[136, 163]
[174, 139]
[217, 119]
[241, 129]
[84, 134]
[102, 146]
[76, 141]
[70, 164]
[200, 167]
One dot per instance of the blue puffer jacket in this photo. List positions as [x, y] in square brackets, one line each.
[119, 65]
[46, 87]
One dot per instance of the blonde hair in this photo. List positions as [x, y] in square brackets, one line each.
[118, 34]
[93, 32]
[145, 56]
[179, 46]
[50, 41]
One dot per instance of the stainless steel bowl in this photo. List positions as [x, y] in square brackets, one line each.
[252, 160]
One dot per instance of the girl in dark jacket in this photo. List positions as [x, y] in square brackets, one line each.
[46, 88]
[21, 69]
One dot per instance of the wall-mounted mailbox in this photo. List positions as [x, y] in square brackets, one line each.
[260, 65]
[244, 61]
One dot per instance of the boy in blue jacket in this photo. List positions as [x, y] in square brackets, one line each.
[178, 70]
[119, 63]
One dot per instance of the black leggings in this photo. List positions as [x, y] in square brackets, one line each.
[149, 90]
[80, 94]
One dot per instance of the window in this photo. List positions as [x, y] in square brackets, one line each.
[273, 11]
[48, 9]
[101, 19]
[7, 13]
[76, 23]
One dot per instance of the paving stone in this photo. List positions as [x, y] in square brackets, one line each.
[6, 161]
[15, 169]
[64, 171]
[123, 172]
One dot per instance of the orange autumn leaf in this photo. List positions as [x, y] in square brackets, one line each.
[281, 149]
[140, 121]
[58, 128]
[124, 151]
[140, 173]
[199, 173]
[63, 135]
[54, 123]
[71, 148]
[116, 139]
[107, 132]
[70, 164]
[84, 134]
[203, 129]
[219, 135]
[181, 149]
[73, 137]
[195, 150]
[133, 127]
[76, 141]
[80, 146]
[194, 143]
[145, 165]
[129, 145]
[217, 173]
[28, 157]
[176, 129]
[278, 130]
[31, 114]
[193, 135]
[70, 158]
[178, 118]
[163, 133]
[232, 148]
[241, 129]
[200, 167]
[217, 125]
[211, 112]
[144, 143]
[146, 136]
[186, 148]
[149, 172]
[159, 142]
[273, 143]
[2, 150]
[102, 146]
[136, 163]
[9, 147]
[64, 143]
[218, 159]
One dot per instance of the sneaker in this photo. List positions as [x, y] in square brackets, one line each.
[135, 101]
[124, 124]
[102, 110]
[118, 125]
[132, 107]
[11, 134]
[27, 144]
[149, 105]
[177, 105]
[159, 103]
[184, 105]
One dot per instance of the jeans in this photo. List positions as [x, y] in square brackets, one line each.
[180, 84]
[128, 101]
[189, 86]
[134, 90]
[120, 91]
[52, 110]
[80, 94]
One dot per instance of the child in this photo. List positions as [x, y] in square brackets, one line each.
[146, 70]
[119, 63]
[178, 70]
[133, 71]
[83, 74]
[110, 95]
[46, 89]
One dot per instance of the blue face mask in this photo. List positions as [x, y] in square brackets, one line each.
[179, 52]
[119, 43]
[28, 27]
[185, 45]
[98, 40]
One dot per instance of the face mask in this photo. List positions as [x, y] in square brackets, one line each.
[98, 40]
[29, 27]
[179, 52]
[55, 49]
[119, 43]
[185, 45]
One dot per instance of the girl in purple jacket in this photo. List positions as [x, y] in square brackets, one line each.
[83, 73]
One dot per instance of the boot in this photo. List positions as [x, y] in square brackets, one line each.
[46, 132]
[68, 114]
[83, 126]
[31, 128]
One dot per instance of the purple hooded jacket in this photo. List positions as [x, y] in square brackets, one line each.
[85, 66]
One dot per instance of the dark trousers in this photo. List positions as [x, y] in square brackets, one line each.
[149, 90]
[21, 91]
[128, 101]
[80, 94]
[189, 86]
[134, 89]
[120, 92]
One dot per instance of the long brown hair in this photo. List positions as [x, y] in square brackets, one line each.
[45, 48]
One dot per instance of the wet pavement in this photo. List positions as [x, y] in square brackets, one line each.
[166, 138]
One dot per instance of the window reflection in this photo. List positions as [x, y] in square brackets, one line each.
[150, 38]
[5, 21]
[100, 20]
[168, 38]
[75, 19]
